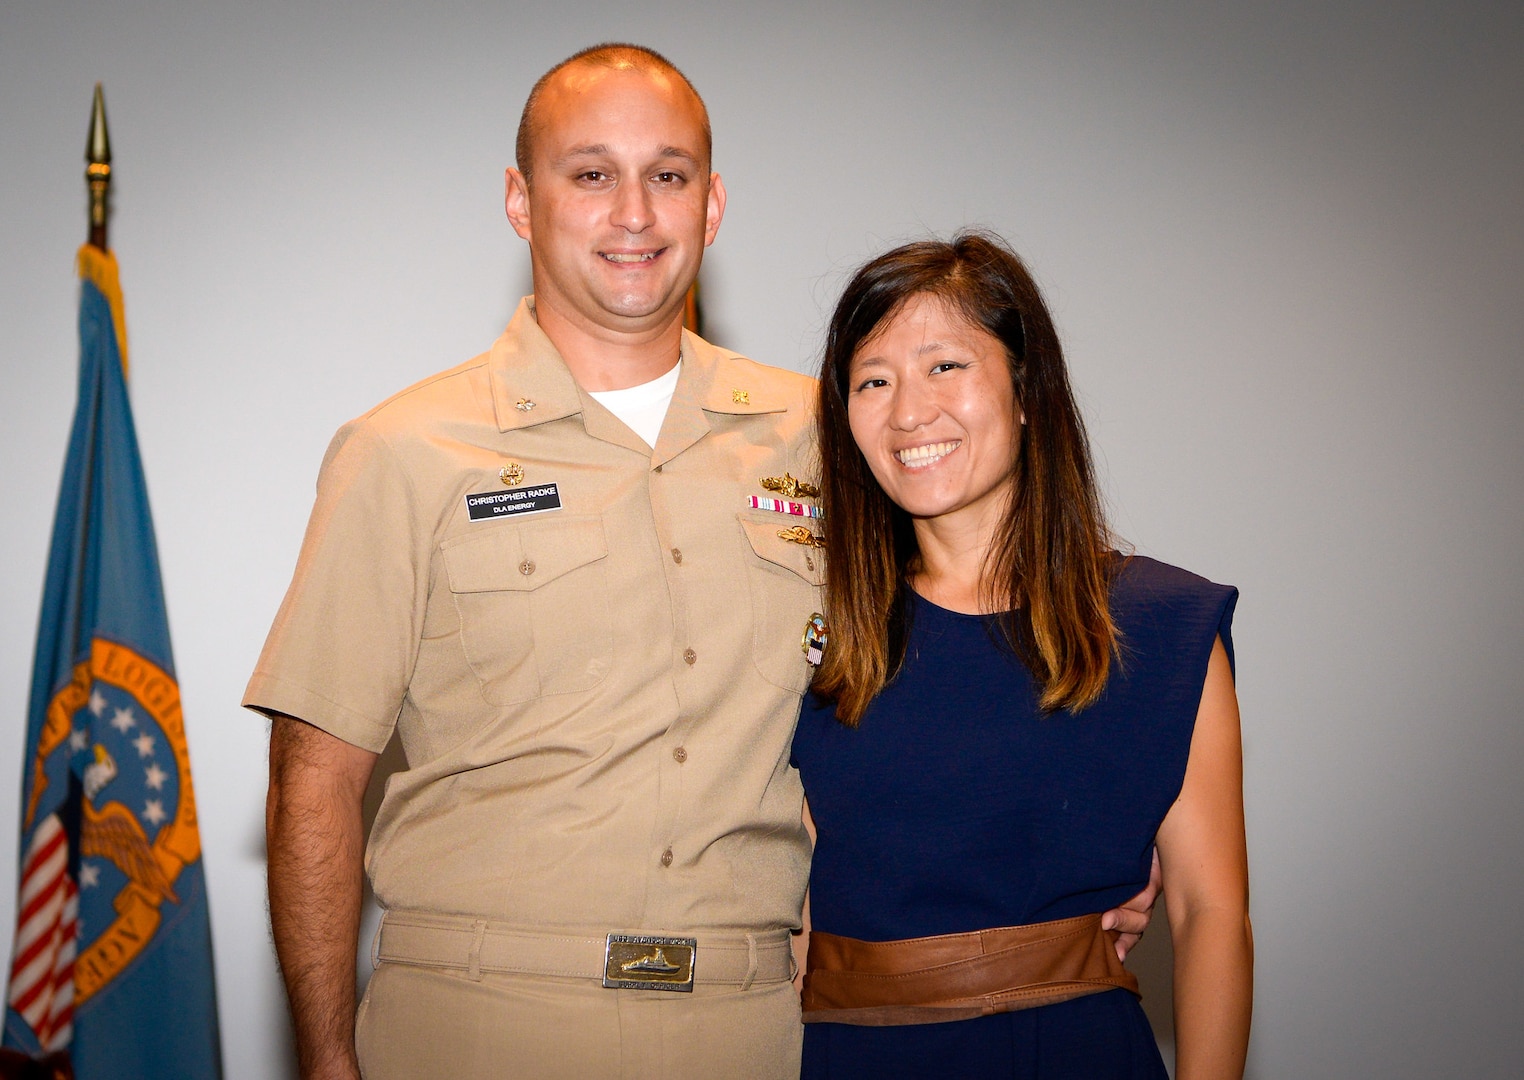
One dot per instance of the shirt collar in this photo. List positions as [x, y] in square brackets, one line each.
[530, 382]
[532, 385]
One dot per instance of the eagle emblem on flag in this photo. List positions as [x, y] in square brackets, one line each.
[103, 861]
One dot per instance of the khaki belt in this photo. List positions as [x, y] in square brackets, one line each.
[958, 976]
[622, 961]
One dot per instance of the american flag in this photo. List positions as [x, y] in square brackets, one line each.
[42, 973]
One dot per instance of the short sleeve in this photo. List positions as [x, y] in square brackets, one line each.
[341, 652]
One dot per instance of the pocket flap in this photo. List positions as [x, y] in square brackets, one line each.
[523, 557]
[763, 529]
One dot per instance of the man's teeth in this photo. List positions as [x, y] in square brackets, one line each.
[622, 258]
[918, 456]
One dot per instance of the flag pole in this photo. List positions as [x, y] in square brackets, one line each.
[98, 170]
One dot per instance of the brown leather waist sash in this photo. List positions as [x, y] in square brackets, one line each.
[958, 976]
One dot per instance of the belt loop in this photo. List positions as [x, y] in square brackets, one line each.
[474, 962]
[375, 943]
[751, 961]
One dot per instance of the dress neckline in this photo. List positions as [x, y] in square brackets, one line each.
[922, 601]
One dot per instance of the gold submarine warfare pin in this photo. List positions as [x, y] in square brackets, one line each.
[789, 487]
[799, 534]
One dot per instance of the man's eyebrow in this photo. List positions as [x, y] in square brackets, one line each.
[594, 150]
[602, 150]
[679, 152]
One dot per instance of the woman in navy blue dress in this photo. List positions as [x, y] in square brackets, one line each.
[1009, 716]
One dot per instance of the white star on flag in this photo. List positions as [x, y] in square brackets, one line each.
[155, 776]
[79, 738]
[89, 875]
[144, 743]
[154, 812]
[123, 720]
[97, 703]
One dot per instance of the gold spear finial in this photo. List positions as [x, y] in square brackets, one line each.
[98, 169]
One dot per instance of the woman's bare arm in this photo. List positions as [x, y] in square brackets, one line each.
[1206, 877]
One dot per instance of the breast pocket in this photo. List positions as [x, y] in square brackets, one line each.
[533, 606]
[784, 579]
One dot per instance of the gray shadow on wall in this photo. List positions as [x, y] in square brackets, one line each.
[714, 328]
[1153, 962]
[518, 282]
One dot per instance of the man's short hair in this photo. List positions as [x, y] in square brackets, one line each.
[618, 55]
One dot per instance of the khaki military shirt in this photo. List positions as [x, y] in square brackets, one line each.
[590, 651]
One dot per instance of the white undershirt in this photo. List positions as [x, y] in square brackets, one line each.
[642, 408]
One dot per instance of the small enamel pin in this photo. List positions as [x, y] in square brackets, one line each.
[523, 404]
[790, 488]
[800, 534]
[511, 474]
[740, 397]
[814, 640]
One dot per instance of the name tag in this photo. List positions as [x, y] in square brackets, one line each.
[500, 504]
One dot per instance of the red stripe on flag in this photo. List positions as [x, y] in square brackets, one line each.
[42, 972]
[42, 899]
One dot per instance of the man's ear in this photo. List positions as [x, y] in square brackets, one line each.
[715, 211]
[516, 201]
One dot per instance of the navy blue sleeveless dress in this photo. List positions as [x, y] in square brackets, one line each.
[957, 805]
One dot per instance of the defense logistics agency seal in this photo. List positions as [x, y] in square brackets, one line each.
[117, 726]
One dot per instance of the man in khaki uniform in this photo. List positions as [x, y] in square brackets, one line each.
[588, 642]
[574, 576]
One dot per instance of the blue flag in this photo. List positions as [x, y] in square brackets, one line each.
[112, 963]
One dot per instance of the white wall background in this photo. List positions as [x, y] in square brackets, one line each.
[1282, 240]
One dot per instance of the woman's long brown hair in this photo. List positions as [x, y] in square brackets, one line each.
[1049, 569]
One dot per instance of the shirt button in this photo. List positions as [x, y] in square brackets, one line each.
[677, 556]
[690, 657]
[526, 567]
[658, 468]
[679, 755]
[666, 857]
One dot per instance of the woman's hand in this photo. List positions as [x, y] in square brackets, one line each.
[1133, 917]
